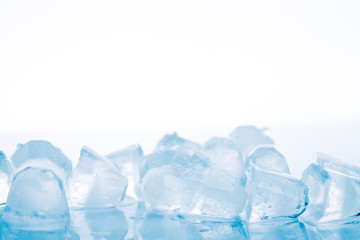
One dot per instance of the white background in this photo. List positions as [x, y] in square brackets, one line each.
[113, 73]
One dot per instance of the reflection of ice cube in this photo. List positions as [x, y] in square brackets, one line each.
[334, 190]
[6, 174]
[44, 155]
[96, 182]
[36, 206]
[273, 195]
[278, 229]
[98, 223]
[248, 137]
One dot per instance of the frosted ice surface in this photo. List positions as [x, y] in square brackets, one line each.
[277, 230]
[128, 160]
[268, 158]
[164, 226]
[248, 137]
[98, 223]
[36, 206]
[6, 174]
[274, 195]
[96, 182]
[335, 189]
[42, 154]
[171, 140]
[224, 156]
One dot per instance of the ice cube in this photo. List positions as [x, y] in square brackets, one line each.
[99, 223]
[335, 188]
[36, 204]
[224, 156]
[96, 182]
[268, 158]
[44, 155]
[278, 229]
[6, 174]
[171, 140]
[128, 160]
[273, 195]
[248, 137]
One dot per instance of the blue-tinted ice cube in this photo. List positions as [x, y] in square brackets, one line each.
[336, 189]
[42, 154]
[96, 182]
[6, 174]
[268, 158]
[273, 195]
[36, 203]
[99, 223]
[171, 140]
[278, 229]
[224, 156]
[248, 137]
[318, 182]
[128, 160]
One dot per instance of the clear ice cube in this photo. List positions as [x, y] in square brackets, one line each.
[128, 160]
[335, 190]
[36, 203]
[6, 174]
[273, 195]
[171, 140]
[96, 182]
[44, 155]
[268, 158]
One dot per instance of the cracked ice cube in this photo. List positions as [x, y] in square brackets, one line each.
[96, 182]
[334, 188]
[36, 203]
[6, 174]
[248, 137]
[273, 195]
[171, 140]
[42, 154]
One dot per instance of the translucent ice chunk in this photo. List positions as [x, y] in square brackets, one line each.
[335, 188]
[248, 137]
[128, 160]
[42, 154]
[318, 181]
[99, 223]
[36, 203]
[224, 156]
[171, 140]
[6, 174]
[268, 158]
[96, 182]
[163, 226]
[274, 195]
[278, 229]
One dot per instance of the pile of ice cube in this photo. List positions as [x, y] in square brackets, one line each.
[236, 187]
